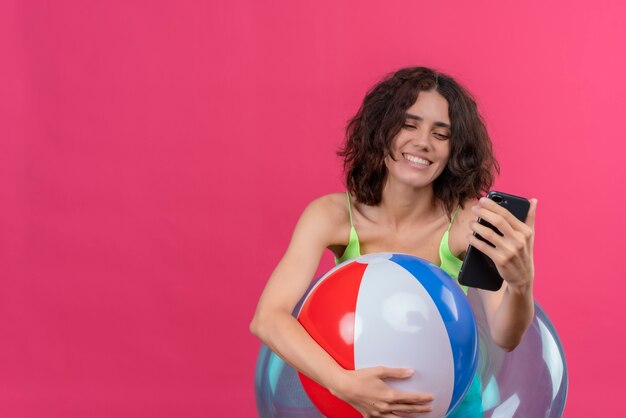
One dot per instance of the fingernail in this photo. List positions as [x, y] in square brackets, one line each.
[408, 372]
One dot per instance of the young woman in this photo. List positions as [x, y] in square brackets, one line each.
[417, 158]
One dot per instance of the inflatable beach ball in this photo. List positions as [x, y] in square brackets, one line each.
[393, 310]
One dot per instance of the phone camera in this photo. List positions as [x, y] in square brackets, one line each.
[497, 199]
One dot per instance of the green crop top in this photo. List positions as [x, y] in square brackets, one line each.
[449, 263]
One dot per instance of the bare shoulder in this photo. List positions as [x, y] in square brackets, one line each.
[465, 213]
[330, 208]
[330, 214]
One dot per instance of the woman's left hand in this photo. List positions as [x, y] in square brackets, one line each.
[513, 252]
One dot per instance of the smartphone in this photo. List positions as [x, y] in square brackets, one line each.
[478, 270]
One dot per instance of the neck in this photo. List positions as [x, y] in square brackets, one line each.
[403, 205]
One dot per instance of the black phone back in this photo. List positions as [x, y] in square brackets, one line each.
[478, 270]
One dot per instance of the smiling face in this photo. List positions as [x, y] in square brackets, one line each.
[422, 147]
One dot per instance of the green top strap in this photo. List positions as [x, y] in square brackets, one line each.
[453, 216]
[449, 262]
[353, 249]
[349, 209]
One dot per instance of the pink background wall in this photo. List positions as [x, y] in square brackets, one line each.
[155, 155]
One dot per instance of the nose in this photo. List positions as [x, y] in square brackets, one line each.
[422, 139]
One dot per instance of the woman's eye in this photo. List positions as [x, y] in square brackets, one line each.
[441, 136]
[408, 126]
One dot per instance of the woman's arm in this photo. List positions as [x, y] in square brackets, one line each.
[510, 310]
[274, 324]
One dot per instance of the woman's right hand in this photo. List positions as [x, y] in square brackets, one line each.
[367, 392]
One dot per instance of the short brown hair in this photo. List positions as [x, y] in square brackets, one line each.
[471, 165]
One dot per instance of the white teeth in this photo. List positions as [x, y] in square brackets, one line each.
[416, 160]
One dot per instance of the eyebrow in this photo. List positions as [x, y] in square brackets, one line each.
[421, 119]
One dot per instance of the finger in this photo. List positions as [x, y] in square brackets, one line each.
[487, 233]
[495, 219]
[412, 398]
[404, 408]
[502, 211]
[405, 414]
[483, 247]
[532, 211]
[387, 415]
[394, 373]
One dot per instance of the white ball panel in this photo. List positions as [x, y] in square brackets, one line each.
[400, 326]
